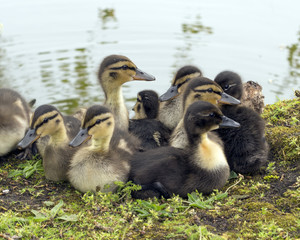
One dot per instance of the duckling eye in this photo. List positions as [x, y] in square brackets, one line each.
[45, 120]
[124, 67]
[226, 87]
[212, 114]
[98, 121]
[210, 90]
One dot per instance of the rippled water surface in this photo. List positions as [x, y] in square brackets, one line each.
[51, 50]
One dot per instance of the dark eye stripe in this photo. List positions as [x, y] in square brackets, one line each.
[180, 84]
[49, 118]
[206, 90]
[118, 68]
[101, 120]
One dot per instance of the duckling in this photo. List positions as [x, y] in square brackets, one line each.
[201, 166]
[14, 119]
[56, 154]
[199, 88]
[246, 148]
[114, 71]
[106, 160]
[171, 110]
[145, 125]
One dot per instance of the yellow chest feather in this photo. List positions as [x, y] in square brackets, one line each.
[210, 155]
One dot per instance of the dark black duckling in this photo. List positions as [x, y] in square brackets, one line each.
[246, 148]
[114, 71]
[144, 125]
[56, 154]
[201, 166]
[14, 119]
[96, 167]
[171, 110]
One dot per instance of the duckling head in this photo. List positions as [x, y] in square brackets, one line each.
[147, 105]
[202, 117]
[116, 70]
[201, 88]
[182, 76]
[231, 83]
[45, 121]
[98, 124]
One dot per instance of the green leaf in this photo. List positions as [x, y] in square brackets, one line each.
[15, 173]
[232, 175]
[69, 218]
[55, 209]
[29, 173]
[49, 203]
[39, 216]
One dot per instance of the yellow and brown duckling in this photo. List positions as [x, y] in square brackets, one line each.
[171, 110]
[145, 124]
[201, 166]
[106, 159]
[56, 154]
[114, 71]
[246, 148]
[199, 88]
[14, 119]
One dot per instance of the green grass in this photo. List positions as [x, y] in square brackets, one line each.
[264, 206]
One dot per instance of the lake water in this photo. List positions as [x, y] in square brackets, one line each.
[51, 50]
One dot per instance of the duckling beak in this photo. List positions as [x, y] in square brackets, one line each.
[81, 137]
[170, 93]
[29, 138]
[227, 99]
[140, 75]
[228, 122]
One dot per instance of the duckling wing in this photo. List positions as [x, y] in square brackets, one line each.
[166, 165]
[152, 133]
[245, 147]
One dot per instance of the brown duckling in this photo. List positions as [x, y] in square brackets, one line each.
[246, 148]
[145, 125]
[171, 109]
[56, 154]
[96, 167]
[14, 119]
[201, 166]
[114, 71]
[199, 88]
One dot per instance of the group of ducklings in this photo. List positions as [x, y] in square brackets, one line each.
[185, 140]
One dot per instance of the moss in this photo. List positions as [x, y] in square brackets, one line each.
[283, 129]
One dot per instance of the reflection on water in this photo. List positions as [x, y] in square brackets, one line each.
[108, 18]
[52, 56]
[294, 58]
[191, 36]
[292, 80]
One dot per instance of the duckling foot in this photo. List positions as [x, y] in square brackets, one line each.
[28, 152]
[157, 186]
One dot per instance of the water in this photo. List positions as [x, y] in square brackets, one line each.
[51, 50]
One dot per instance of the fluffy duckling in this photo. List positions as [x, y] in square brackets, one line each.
[201, 166]
[114, 71]
[106, 160]
[56, 154]
[246, 148]
[171, 110]
[14, 119]
[145, 125]
[199, 88]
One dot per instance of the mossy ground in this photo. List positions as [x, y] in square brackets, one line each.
[263, 206]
